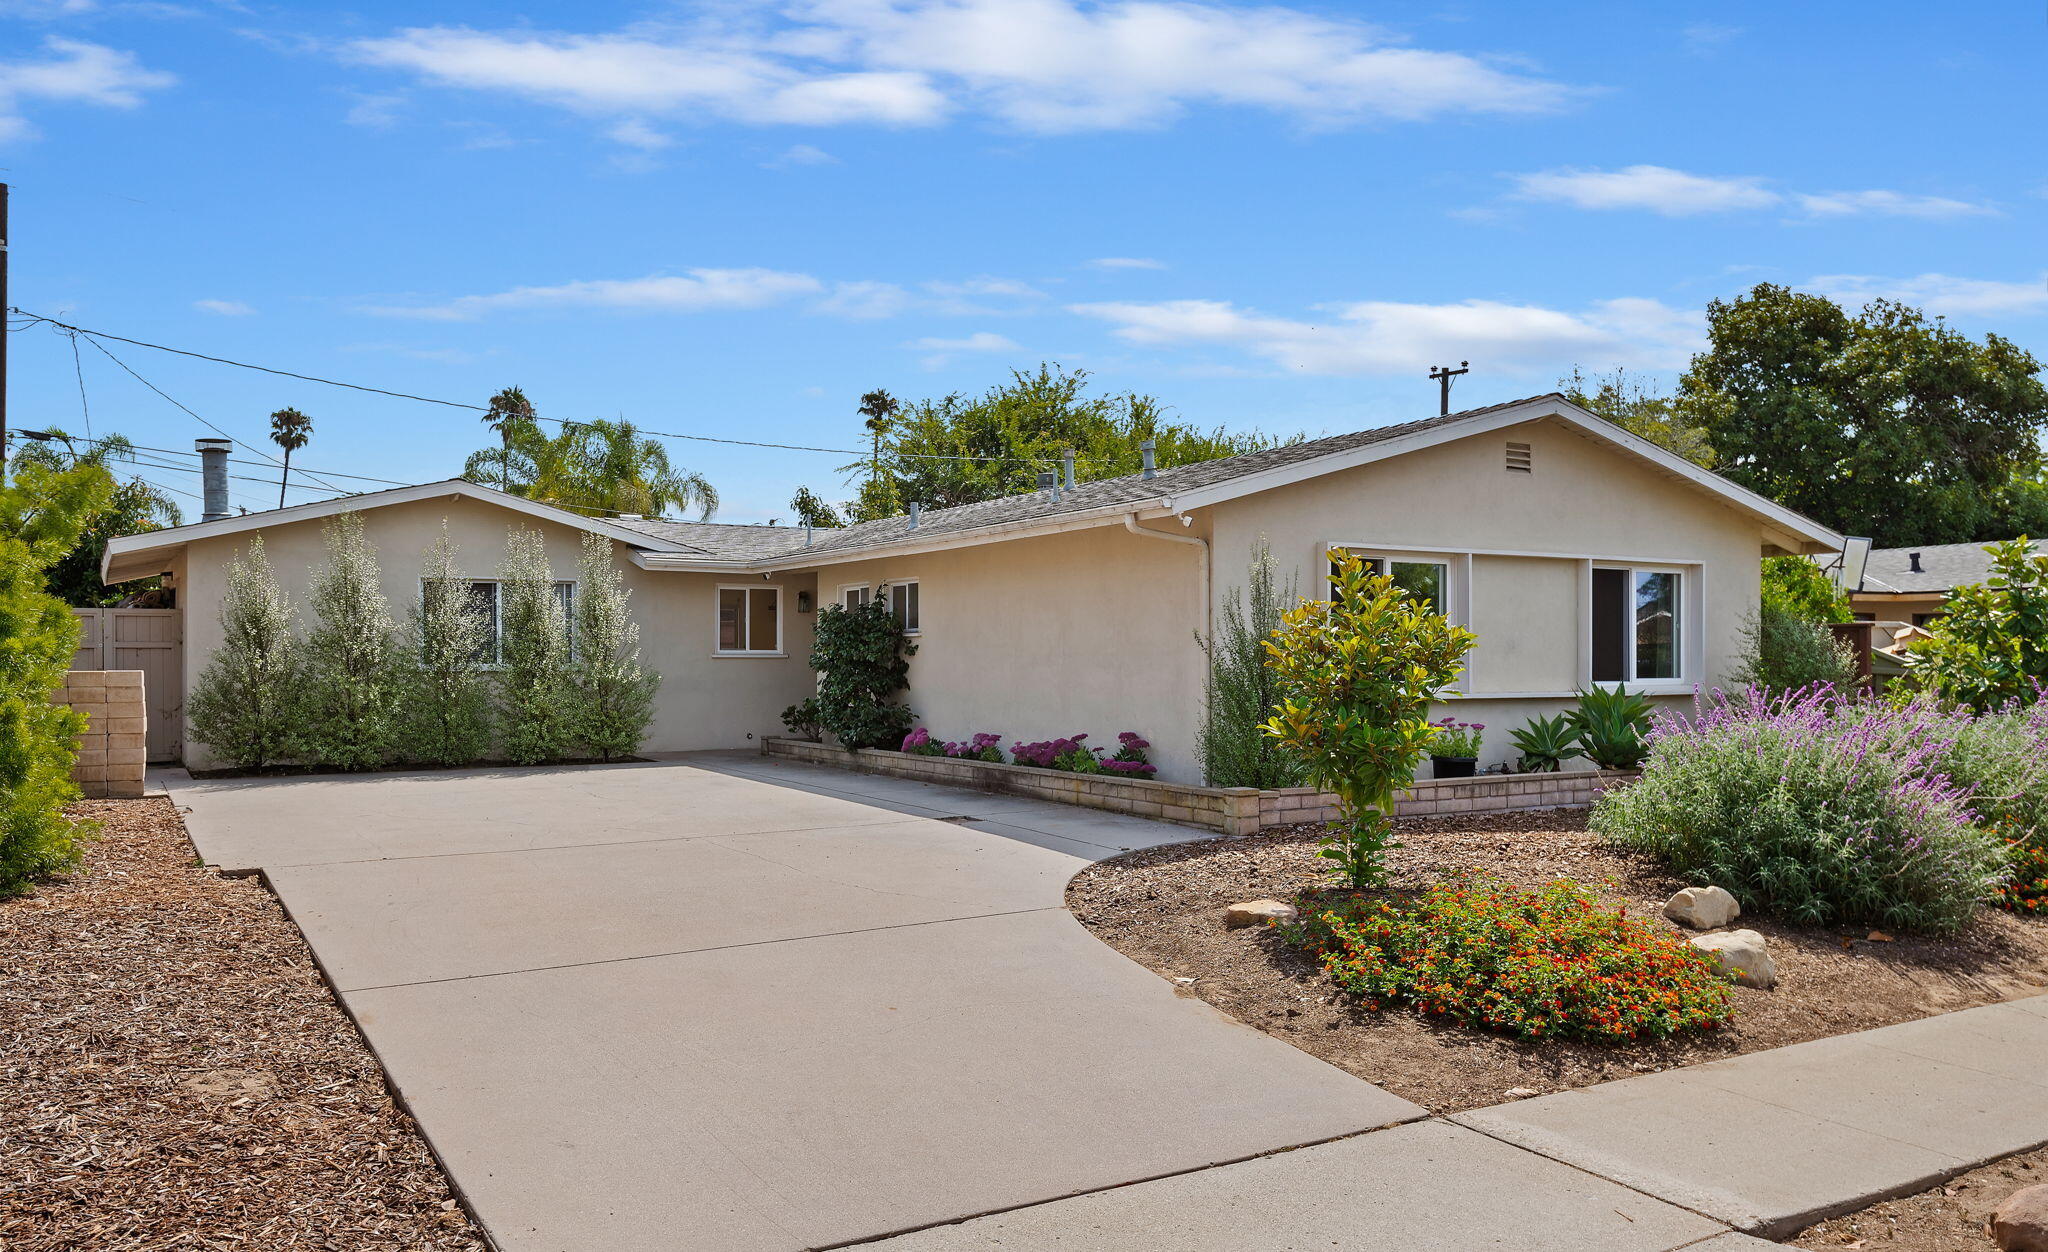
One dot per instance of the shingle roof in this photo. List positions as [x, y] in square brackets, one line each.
[1942, 566]
[763, 542]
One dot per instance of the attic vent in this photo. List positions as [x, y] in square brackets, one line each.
[1519, 461]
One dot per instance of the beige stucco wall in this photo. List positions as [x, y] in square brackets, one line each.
[1524, 592]
[1090, 631]
[704, 701]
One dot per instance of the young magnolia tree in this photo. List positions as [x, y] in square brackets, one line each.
[42, 515]
[1991, 647]
[535, 690]
[351, 656]
[445, 705]
[1356, 675]
[247, 702]
[614, 698]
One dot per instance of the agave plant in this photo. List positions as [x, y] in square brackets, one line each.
[1546, 743]
[1611, 726]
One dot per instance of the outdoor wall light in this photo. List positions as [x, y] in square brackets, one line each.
[803, 601]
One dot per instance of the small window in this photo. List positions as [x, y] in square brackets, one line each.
[855, 596]
[1424, 581]
[1520, 459]
[487, 596]
[1635, 626]
[903, 605]
[749, 620]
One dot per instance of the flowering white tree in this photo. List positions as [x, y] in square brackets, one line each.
[445, 709]
[352, 669]
[245, 705]
[614, 695]
[535, 693]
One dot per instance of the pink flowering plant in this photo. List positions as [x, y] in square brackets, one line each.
[1069, 753]
[1129, 757]
[1456, 738]
[919, 742]
[983, 747]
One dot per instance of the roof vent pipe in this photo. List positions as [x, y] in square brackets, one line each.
[1913, 562]
[1145, 451]
[913, 515]
[807, 534]
[213, 473]
[1067, 458]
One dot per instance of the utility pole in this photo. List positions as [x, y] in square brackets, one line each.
[3, 332]
[1443, 374]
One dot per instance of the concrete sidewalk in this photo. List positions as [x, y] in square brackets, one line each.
[1774, 1141]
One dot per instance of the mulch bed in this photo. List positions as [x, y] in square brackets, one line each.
[174, 1073]
[1163, 908]
[1948, 1218]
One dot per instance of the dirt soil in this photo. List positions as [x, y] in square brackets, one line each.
[1948, 1218]
[1163, 908]
[174, 1073]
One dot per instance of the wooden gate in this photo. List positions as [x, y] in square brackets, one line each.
[153, 641]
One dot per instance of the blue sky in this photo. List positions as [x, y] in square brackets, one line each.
[731, 219]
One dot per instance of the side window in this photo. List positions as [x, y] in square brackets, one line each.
[1427, 581]
[854, 597]
[903, 604]
[1635, 625]
[749, 620]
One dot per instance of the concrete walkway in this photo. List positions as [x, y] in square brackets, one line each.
[723, 1002]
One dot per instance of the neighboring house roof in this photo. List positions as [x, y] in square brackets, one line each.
[1942, 566]
[674, 545]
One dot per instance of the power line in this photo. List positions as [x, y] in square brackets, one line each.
[78, 369]
[95, 335]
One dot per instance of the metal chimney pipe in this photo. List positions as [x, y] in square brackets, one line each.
[1067, 458]
[1146, 450]
[213, 474]
[913, 515]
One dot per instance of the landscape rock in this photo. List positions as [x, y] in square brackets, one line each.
[1703, 908]
[1258, 913]
[2020, 1222]
[1741, 955]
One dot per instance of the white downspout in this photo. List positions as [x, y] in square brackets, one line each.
[1208, 610]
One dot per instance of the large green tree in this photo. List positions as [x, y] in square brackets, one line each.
[595, 466]
[134, 507]
[1885, 422]
[1632, 403]
[960, 449]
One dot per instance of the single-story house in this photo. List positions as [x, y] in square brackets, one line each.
[1912, 585]
[1577, 552]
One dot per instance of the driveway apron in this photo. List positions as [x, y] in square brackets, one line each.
[723, 1003]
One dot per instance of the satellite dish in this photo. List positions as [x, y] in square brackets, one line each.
[1855, 558]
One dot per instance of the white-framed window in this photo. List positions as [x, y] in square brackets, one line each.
[487, 594]
[854, 595]
[1423, 576]
[903, 604]
[1637, 624]
[749, 620]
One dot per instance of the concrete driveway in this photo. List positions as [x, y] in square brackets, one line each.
[727, 1003]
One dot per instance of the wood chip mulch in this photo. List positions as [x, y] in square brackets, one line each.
[174, 1073]
[1163, 908]
[1948, 1218]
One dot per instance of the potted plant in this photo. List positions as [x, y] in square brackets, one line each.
[1454, 750]
[1546, 743]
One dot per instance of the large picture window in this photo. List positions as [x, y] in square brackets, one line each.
[1635, 625]
[749, 621]
[487, 597]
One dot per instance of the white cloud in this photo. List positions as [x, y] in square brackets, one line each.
[1386, 337]
[1890, 204]
[865, 301]
[635, 133]
[225, 308]
[942, 351]
[1676, 193]
[74, 72]
[1127, 263]
[1941, 293]
[697, 291]
[375, 111]
[800, 154]
[1038, 65]
[1657, 188]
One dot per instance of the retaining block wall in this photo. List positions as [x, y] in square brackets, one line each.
[1232, 810]
[113, 750]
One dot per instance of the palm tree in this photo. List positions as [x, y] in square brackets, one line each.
[611, 465]
[510, 414]
[290, 430]
[880, 408]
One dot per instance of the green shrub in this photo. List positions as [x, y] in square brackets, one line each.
[1546, 743]
[535, 705]
[248, 702]
[613, 696]
[1550, 963]
[352, 670]
[1242, 690]
[1990, 646]
[1782, 651]
[42, 515]
[801, 719]
[1814, 808]
[445, 709]
[1611, 726]
[1795, 586]
[859, 654]
[1356, 675]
